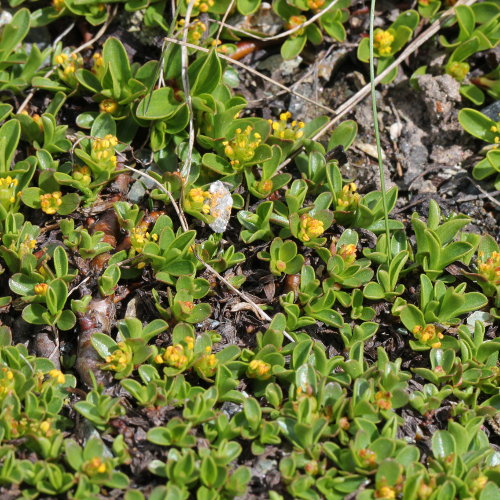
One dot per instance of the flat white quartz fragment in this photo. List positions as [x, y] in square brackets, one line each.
[220, 203]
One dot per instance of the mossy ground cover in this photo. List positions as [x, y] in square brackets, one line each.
[204, 291]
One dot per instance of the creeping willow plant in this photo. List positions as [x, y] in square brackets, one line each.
[336, 275]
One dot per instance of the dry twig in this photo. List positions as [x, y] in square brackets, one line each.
[253, 71]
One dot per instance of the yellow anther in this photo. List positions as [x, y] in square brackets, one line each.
[489, 268]
[385, 493]
[94, 466]
[61, 58]
[284, 130]
[383, 41]
[108, 106]
[383, 400]
[310, 228]
[428, 335]
[119, 359]
[295, 21]
[242, 147]
[58, 376]
[259, 369]
[41, 288]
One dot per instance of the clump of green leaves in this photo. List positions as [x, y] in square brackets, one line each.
[387, 43]
[484, 128]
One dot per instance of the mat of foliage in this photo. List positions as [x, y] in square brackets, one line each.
[200, 297]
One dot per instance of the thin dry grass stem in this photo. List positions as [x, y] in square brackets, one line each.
[284, 34]
[348, 105]
[485, 193]
[309, 72]
[161, 78]
[186, 168]
[255, 72]
[473, 197]
[162, 188]
[63, 34]
[78, 286]
[101, 32]
[221, 25]
[258, 311]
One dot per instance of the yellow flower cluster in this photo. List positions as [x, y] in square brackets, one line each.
[479, 483]
[38, 120]
[383, 400]
[428, 335]
[8, 187]
[98, 64]
[103, 151]
[45, 428]
[382, 42]
[242, 148]
[174, 356]
[348, 253]
[489, 269]
[58, 375]
[207, 363]
[310, 228]
[41, 288]
[25, 426]
[199, 200]
[315, 4]
[284, 130]
[139, 236]
[177, 355]
[385, 493]
[196, 29]
[108, 106]
[348, 199]
[203, 6]
[95, 466]
[295, 21]
[222, 49]
[259, 369]
[458, 70]
[50, 202]
[6, 381]
[81, 173]
[68, 65]
[368, 457]
[186, 306]
[26, 246]
[119, 359]
[265, 187]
